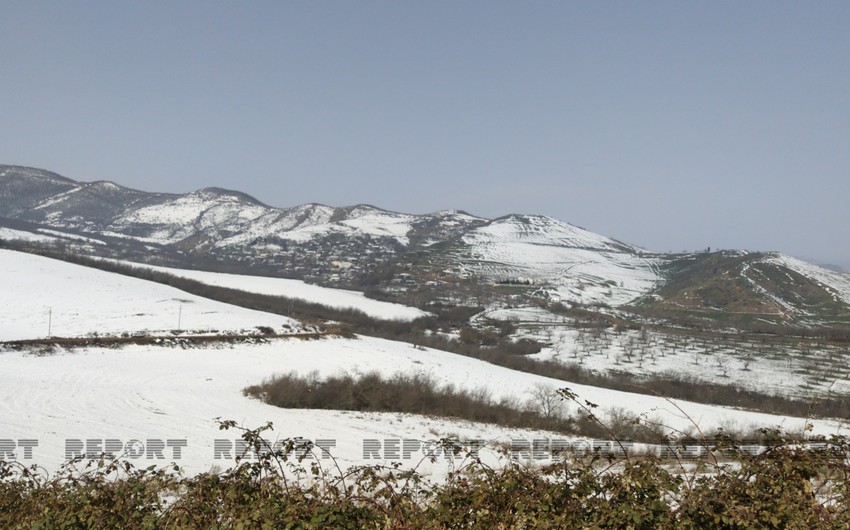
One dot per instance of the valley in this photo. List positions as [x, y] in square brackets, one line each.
[138, 308]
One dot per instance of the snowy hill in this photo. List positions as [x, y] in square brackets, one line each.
[46, 297]
[772, 286]
[569, 261]
[513, 266]
[361, 246]
[164, 393]
[836, 283]
[23, 188]
[212, 212]
[338, 298]
[222, 216]
[144, 392]
[572, 263]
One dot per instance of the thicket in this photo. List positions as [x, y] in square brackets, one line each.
[421, 394]
[784, 487]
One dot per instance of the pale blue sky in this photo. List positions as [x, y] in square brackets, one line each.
[671, 125]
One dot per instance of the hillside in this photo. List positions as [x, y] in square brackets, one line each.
[568, 262]
[47, 297]
[512, 307]
[446, 257]
[739, 287]
[159, 391]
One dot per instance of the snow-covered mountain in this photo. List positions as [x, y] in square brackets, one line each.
[208, 218]
[363, 246]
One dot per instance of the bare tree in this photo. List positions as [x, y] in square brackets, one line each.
[546, 400]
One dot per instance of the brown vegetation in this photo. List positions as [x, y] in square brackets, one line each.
[785, 487]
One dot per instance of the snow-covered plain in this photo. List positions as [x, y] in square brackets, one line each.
[339, 298]
[72, 237]
[44, 296]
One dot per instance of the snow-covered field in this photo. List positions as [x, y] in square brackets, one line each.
[144, 393]
[71, 237]
[43, 296]
[44, 235]
[793, 368]
[103, 398]
[21, 235]
[781, 370]
[339, 298]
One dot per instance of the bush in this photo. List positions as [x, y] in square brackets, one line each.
[414, 394]
[784, 487]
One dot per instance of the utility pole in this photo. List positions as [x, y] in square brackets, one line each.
[49, 320]
[179, 316]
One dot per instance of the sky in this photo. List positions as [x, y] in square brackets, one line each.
[669, 125]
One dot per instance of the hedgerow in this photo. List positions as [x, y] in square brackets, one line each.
[786, 486]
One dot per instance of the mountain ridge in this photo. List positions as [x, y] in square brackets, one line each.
[367, 247]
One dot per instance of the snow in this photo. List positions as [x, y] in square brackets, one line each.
[159, 393]
[280, 223]
[379, 223]
[520, 314]
[74, 237]
[302, 226]
[142, 393]
[11, 234]
[456, 217]
[802, 370]
[576, 264]
[56, 199]
[184, 210]
[44, 235]
[42, 294]
[339, 298]
[238, 222]
[543, 230]
[182, 216]
[835, 282]
[118, 235]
